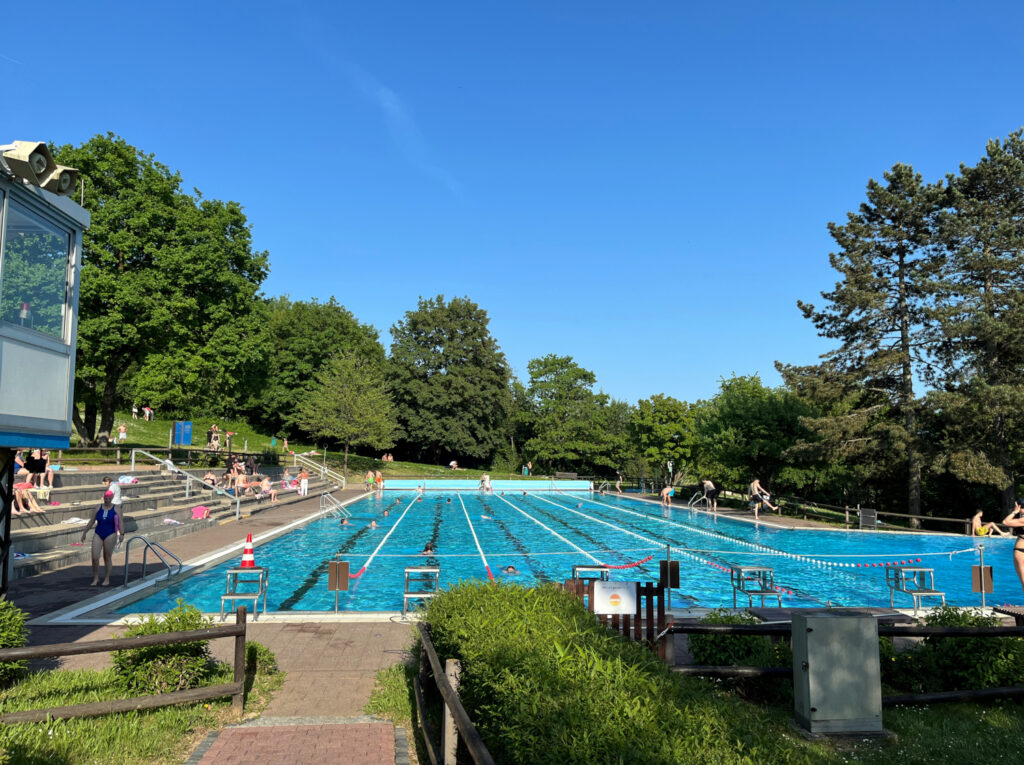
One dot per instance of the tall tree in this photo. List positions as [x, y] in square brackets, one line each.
[450, 381]
[167, 301]
[745, 430]
[878, 309]
[569, 420]
[664, 431]
[303, 336]
[349, 404]
[980, 312]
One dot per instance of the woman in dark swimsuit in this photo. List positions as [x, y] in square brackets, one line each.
[1015, 522]
[108, 523]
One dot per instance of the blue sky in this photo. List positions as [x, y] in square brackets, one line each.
[645, 189]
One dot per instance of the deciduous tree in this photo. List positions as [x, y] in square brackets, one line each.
[450, 381]
[350, 404]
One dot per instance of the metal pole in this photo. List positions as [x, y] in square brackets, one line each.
[668, 574]
[188, 485]
[133, 460]
[981, 552]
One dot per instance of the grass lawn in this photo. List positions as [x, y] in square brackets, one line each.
[161, 735]
[941, 733]
[153, 437]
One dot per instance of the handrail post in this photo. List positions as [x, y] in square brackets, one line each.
[449, 733]
[188, 485]
[133, 460]
[238, 699]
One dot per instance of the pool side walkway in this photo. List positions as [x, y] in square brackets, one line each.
[316, 716]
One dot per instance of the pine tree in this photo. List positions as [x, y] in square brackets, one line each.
[980, 314]
[887, 264]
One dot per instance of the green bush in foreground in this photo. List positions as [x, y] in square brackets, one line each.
[13, 634]
[163, 668]
[545, 682]
[259, 659]
[737, 650]
[950, 664]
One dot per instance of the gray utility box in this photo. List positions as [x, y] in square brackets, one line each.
[837, 684]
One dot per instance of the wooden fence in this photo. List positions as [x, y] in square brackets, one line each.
[646, 624]
[455, 723]
[235, 689]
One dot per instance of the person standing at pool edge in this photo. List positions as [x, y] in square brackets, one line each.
[107, 522]
[666, 495]
[1015, 522]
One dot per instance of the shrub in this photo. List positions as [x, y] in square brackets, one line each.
[259, 659]
[163, 668]
[951, 664]
[737, 650]
[13, 634]
[544, 682]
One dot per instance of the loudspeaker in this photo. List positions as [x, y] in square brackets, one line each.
[30, 160]
[63, 180]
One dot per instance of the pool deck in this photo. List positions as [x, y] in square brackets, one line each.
[330, 666]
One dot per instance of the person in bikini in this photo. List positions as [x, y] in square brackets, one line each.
[1015, 523]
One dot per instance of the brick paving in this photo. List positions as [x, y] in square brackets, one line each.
[370, 743]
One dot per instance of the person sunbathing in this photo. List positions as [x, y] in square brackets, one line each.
[24, 500]
[267, 488]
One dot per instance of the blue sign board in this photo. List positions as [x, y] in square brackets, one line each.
[183, 433]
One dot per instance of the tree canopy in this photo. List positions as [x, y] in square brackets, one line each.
[450, 381]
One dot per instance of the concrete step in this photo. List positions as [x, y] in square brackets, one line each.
[59, 553]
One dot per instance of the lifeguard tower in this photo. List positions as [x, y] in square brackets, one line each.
[40, 264]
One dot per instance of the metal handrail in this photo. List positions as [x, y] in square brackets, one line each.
[156, 547]
[330, 504]
[169, 465]
[324, 471]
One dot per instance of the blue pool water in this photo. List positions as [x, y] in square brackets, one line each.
[544, 534]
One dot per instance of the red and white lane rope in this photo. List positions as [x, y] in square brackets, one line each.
[905, 560]
[475, 540]
[391, 531]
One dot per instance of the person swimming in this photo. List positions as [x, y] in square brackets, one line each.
[428, 549]
[486, 518]
[510, 570]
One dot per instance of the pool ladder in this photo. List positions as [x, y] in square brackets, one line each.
[156, 547]
[329, 505]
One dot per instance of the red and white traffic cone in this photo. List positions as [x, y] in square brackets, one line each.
[248, 559]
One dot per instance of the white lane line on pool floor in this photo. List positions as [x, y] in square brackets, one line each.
[391, 531]
[548, 528]
[477, 541]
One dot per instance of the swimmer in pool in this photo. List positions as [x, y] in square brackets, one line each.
[373, 524]
[428, 549]
[510, 570]
[486, 518]
[344, 522]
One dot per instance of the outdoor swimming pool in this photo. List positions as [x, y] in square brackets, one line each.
[543, 534]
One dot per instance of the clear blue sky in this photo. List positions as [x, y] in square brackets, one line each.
[645, 189]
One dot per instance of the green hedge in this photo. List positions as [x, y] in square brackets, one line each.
[546, 683]
[952, 664]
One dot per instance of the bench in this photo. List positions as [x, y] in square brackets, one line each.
[566, 476]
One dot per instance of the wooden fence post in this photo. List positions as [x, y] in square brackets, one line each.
[238, 699]
[449, 734]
